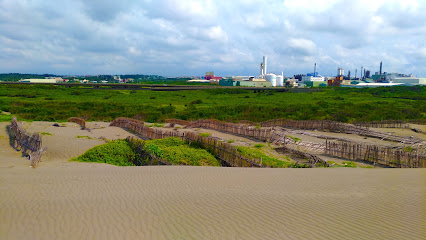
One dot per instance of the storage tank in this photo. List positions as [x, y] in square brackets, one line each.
[270, 77]
[280, 81]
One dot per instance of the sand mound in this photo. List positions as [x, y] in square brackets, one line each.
[73, 200]
[98, 201]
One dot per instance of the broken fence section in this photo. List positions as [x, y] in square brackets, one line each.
[29, 144]
[79, 121]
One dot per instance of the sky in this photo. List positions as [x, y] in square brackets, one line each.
[190, 37]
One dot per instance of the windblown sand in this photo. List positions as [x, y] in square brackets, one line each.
[72, 200]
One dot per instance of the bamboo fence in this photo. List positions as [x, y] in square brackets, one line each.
[79, 121]
[391, 123]
[394, 157]
[314, 160]
[383, 124]
[265, 132]
[178, 121]
[332, 126]
[323, 125]
[225, 152]
[29, 144]
[237, 129]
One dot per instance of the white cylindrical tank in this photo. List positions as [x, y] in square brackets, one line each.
[270, 77]
[280, 81]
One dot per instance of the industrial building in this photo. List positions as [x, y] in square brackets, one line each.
[275, 79]
[409, 80]
[211, 76]
[45, 80]
[265, 79]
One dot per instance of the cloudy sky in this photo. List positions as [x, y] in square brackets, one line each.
[190, 37]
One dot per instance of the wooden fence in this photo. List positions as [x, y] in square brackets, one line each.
[223, 151]
[326, 125]
[406, 157]
[383, 124]
[266, 131]
[79, 121]
[29, 144]
[237, 129]
[390, 123]
[178, 121]
[312, 159]
[394, 157]
[323, 125]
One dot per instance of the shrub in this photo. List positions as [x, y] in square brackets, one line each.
[205, 134]
[266, 160]
[115, 152]
[176, 151]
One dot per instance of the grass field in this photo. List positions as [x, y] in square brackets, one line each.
[57, 103]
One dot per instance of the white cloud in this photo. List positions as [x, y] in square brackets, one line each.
[302, 46]
[228, 37]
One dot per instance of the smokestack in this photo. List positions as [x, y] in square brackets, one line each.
[380, 68]
[315, 69]
[264, 64]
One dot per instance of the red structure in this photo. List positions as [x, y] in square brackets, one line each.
[335, 82]
[211, 76]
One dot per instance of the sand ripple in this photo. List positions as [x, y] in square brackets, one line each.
[97, 201]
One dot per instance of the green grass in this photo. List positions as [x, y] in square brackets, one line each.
[5, 118]
[259, 145]
[230, 141]
[116, 152]
[349, 164]
[266, 159]
[176, 151]
[295, 139]
[57, 103]
[46, 133]
[84, 137]
[205, 134]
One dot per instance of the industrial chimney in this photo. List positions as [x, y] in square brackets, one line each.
[264, 65]
[315, 69]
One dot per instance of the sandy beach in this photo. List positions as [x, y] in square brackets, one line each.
[72, 200]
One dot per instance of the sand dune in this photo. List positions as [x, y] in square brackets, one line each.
[72, 200]
[98, 201]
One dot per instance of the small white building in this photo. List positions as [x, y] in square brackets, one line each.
[409, 80]
[45, 80]
[313, 79]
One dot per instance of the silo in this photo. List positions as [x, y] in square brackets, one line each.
[280, 81]
[270, 77]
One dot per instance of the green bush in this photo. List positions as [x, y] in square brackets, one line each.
[115, 152]
[176, 151]
[186, 155]
[205, 134]
[266, 160]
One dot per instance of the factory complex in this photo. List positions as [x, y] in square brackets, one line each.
[265, 79]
